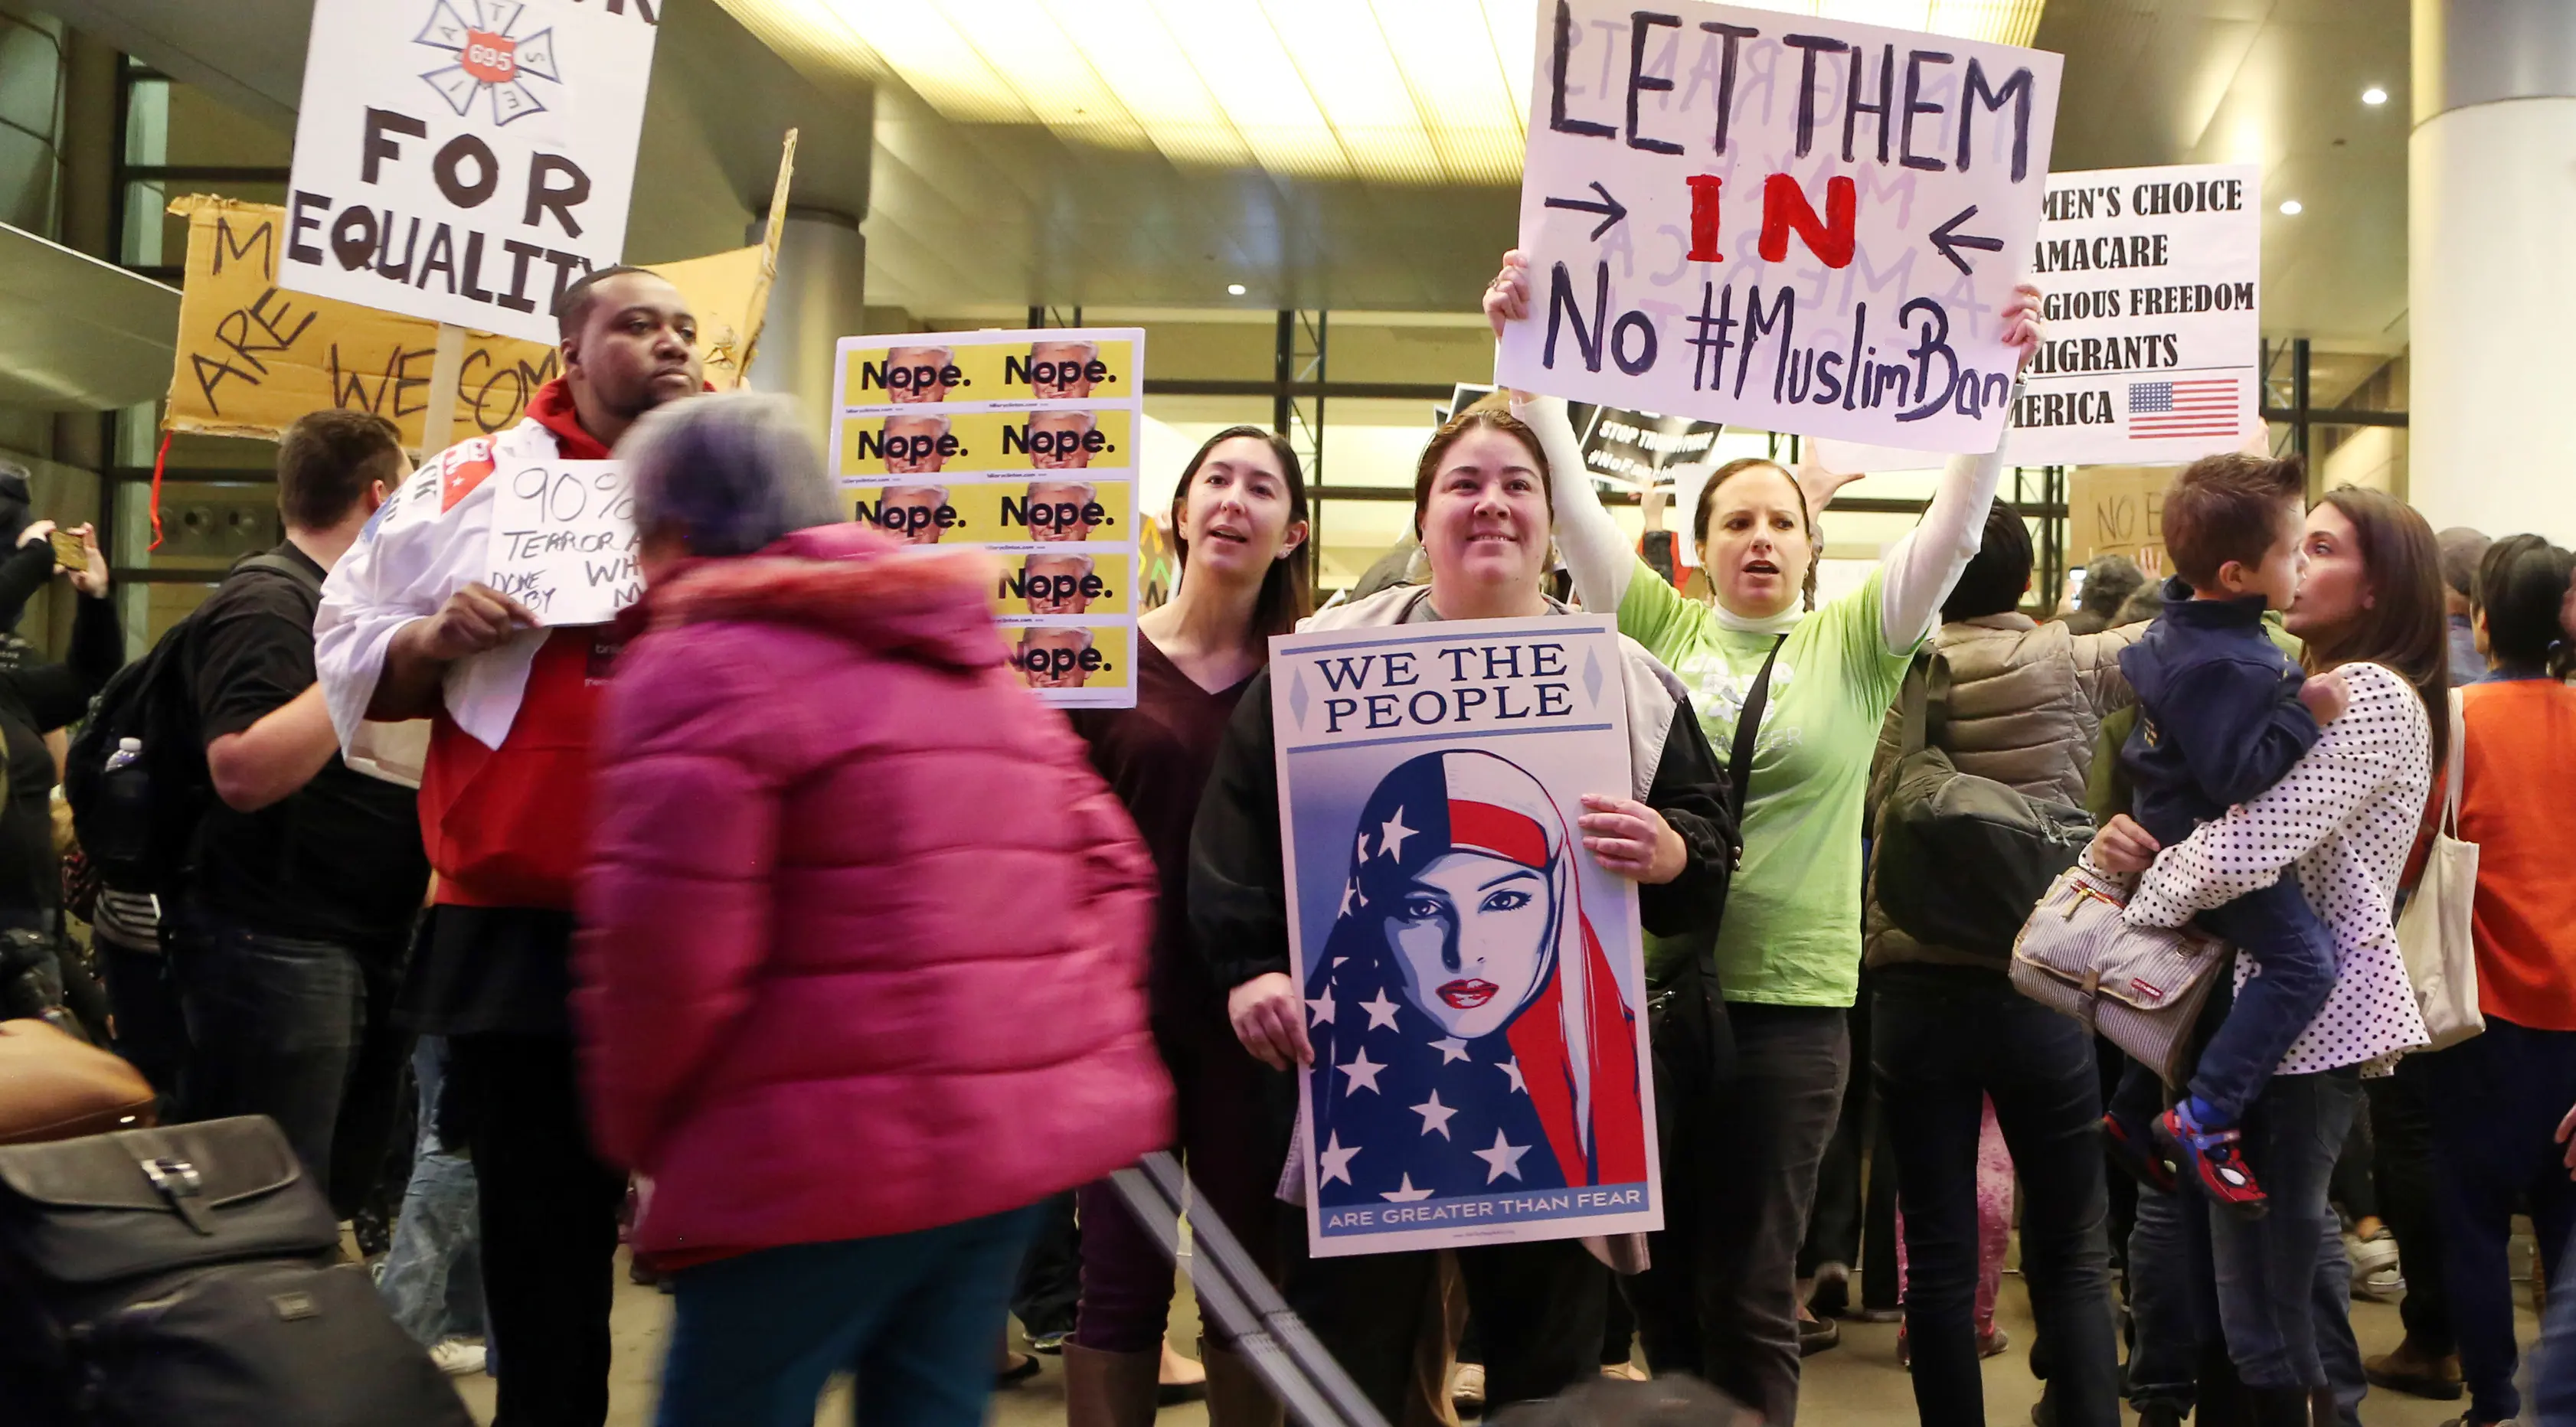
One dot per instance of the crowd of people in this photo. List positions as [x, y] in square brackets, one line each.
[775, 931]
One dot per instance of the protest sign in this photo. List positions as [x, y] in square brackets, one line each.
[465, 160]
[1022, 441]
[2148, 280]
[1474, 982]
[252, 357]
[2117, 510]
[1633, 449]
[563, 541]
[1778, 221]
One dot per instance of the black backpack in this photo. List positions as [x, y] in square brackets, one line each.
[138, 824]
[192, 1274]
[1960, 860]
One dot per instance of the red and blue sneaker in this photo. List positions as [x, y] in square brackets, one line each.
[2133, 1151]
[2211, 1159]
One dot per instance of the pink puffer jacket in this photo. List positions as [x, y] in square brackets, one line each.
[863, 936]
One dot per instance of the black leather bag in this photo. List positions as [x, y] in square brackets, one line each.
[1961, 860]
[192, 1274]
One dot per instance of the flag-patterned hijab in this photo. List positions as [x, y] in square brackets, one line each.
[1419, 1089]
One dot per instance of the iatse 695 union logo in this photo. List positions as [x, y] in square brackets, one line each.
[488, 60]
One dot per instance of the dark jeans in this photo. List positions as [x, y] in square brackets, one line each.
[2266, 1269]
[295, 1029]
[912, 1316]
[151, 1029]
[1721, 1299]
[2401, 1145]
[1049, 1284]
[1537, 1308]
[549, 1220]
[2294, 969]
[2501, 1095]
[1948, 1038]
[1853, 1222]
[1232, 1157]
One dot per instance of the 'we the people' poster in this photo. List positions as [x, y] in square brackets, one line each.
[1023, 442]
[2152, 351]
[1474, 982]
[1778, 221]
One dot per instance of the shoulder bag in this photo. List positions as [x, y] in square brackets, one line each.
[2435, 933]
[2142, 987]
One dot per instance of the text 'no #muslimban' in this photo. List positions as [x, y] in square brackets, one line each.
[563, 541]
[1473, 981]
[1778, 221]
[2149, 279]
[465, 160]
[1022, 442]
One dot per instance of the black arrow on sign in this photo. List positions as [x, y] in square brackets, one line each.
[1612, 210]
[1947, 240]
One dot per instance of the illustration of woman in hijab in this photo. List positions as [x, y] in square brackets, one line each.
[1469, 1036]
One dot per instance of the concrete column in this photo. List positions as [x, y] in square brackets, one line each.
[2491, 292]
[819, 298]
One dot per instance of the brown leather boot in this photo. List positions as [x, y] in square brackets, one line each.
[2411, 1370]
[1110, 1389]
[1236, 1395]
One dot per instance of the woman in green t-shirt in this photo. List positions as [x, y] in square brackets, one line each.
[1721, 1299]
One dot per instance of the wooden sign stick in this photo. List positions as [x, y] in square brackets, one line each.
[446, 371]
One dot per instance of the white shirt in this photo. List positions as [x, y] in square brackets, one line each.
[2346, 815]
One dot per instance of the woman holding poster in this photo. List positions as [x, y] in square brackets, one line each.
[1239, 527]
[1461, 982]
[1720, 1299]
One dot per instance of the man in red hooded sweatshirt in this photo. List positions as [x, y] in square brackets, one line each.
[408, 630]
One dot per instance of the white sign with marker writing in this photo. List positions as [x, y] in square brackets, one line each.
[563, 541]
[1778, 221]
[2148, 280]
[465, 160]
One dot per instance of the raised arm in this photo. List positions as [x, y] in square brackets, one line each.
[2385, 735]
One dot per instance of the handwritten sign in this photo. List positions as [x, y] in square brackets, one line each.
[253, 356]
[563, 541]
[1022, 442]
[1783, 222]
[465, 161]
[2148, 280]
[2117, 510]
[1475, 982]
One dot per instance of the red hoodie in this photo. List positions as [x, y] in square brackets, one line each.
[504, 826]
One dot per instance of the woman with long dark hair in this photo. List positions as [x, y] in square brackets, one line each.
[2369, 607]
[1239, 522]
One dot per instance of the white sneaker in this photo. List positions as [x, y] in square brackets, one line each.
[2370, 1255]
[457, 1357]
[1467, 1386]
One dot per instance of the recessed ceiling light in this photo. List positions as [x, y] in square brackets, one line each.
[2374, 95]
[1234, 289]
[2290, 206]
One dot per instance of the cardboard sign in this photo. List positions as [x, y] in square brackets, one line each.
[252, 356]
[563, 541]
[1474, 982]
[2117, 510]
[465, 160]
[2153, 351]
[1023, 442]
[1777, 221]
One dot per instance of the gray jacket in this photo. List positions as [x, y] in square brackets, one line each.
[2026, 706]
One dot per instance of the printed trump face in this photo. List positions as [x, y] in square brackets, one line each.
[912, 512]
[1072, 509]
[1056, 584]
[1066, 364]
[913, 444]
[1471, 939]
[1053, 658]
[1059, 440]
[922, 371]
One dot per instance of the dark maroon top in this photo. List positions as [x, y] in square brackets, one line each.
[1156, 757]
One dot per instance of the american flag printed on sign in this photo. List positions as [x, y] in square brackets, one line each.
[2199, 406]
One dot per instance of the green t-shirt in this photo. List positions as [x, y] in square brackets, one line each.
[1791, 936]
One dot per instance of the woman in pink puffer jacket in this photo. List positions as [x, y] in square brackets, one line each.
[863, 940]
